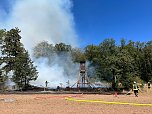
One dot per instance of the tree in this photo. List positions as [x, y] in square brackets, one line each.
[43, 49]
[11, 48]
[125, 64]
[146, 70]
[78, 55]
[123, 43]
[92, 52]
[120, 64]
[62, 47]
[3, 77]
[108, 52]
[17, 60]
[25, 72]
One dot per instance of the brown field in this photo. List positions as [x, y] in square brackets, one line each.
[56, 104]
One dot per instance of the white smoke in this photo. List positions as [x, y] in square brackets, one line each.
[61, 70]
[49, 20]
[39, 20]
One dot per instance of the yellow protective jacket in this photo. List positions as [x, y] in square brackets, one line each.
[135, 87]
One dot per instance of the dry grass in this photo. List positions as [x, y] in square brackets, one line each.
[56, 104]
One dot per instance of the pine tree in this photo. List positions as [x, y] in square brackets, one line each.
[2, 76]
[25, 71]
[17, 59]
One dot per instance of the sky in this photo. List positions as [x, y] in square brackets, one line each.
[99, 19]
[95, 20]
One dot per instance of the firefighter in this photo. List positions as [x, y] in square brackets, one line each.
[135, 89]
[148, 85]
[46, 84]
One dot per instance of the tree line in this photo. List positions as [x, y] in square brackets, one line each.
[119, 64]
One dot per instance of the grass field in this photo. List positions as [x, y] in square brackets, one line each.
[57, 104]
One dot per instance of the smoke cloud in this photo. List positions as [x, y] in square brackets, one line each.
[49, 20]
[43, 20]
[60, 71]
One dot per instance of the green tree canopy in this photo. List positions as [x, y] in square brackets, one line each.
[16, 59]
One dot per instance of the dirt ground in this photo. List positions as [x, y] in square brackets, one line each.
[57, 104]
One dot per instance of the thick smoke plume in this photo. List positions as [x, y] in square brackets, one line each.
[60, 71]
[49, 20]
[39, 20]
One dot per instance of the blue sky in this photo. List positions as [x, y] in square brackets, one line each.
[96, 20]
[99, 19]
[5, 4]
